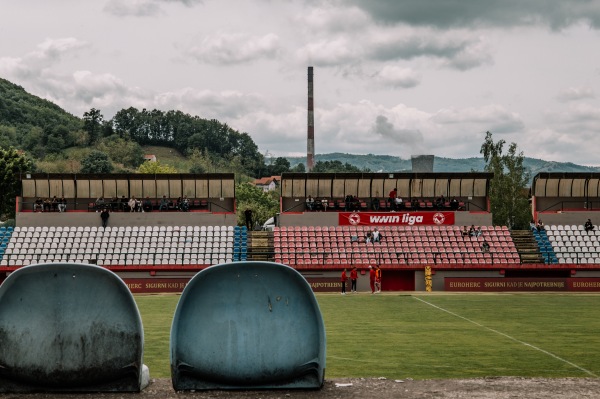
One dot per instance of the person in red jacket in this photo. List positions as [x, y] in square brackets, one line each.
[377, 279]
[344, 279]
[353, 278]
[372, 278]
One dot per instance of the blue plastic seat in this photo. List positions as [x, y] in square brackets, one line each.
[247, 325]
[69, 328]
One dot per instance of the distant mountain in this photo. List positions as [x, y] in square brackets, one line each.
[388, 163]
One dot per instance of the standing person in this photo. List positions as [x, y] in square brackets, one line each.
[344, 279]
[104, 215]
[248, 216]
[392, 198]
[372, 278]
[353, 278]
[377, 279]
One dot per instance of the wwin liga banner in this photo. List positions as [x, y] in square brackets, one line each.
[395, 218]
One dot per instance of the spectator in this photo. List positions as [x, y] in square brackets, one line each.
[114, 204]
[588, 226]
[454, 204]
[38, 205]
[355, 203]
[532, 225]
[318, 205]
[369, 237]
[376, 235]
[440, 202]
[99, 204]
[485, 247]
[377, 279]
[324, 204]
[47, 205]
[392, 198]
[478, 232]
[310, 203]
[132, 204]
[164, 204]
[62, 204]
[125, 204]
[104, 215]
[399, 204]
[348, 203]
[472, 231]
[248, 217]
[54, 204]
[375, 204]
[465, 232]
[147, 205]
[540, 225]
[184, 205]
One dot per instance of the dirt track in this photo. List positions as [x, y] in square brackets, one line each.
[484, 388]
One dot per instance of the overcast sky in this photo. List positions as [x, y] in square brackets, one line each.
[393, 77]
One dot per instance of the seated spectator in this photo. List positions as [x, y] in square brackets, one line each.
[532, 225]
[588, 226]
[465, 232]
[478, 232]
[399, 204]
[147, 206]
[99, 204]
[47, 205]
[472, 231]
[138, 205]
[376, 235]
[355, 204]
[62, 204]
[369, 237]
[310, 203]
[415, 203]
[54, 204]
[485, 247]
[38, 205]
[125, 204]
[540, 225]
[454, 204]
[439, 202]
[164, 204]
[318, 205]
[184, 204]
[132, 204]
[375, 204]
[324, 203]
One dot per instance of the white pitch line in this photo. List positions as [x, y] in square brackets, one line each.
[508, 336]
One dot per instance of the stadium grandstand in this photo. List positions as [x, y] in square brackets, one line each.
[435, 226]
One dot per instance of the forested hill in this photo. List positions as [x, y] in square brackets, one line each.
[21, 109]
[387, 163]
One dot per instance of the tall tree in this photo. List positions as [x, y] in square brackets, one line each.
[12, 164]
[96, 162]
[92, 124]
[508, 188]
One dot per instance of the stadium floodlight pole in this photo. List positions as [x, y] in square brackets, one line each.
[310, 144]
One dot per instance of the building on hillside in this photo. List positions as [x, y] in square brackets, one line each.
[267, 183]
[150, 157]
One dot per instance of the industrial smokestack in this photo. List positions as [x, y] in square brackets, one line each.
[310, 143]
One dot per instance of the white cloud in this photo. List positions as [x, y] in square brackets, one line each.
[235, 48]
[397, 77]
[132, 8]
[575, 93]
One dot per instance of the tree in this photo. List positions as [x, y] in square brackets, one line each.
[96, 162]
[155, 168]
[263, 205]
[508, 188]
[127, 152]
[92, 124]
[334, 167]
[12, 164]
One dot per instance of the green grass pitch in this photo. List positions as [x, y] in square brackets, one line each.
[431, 336]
